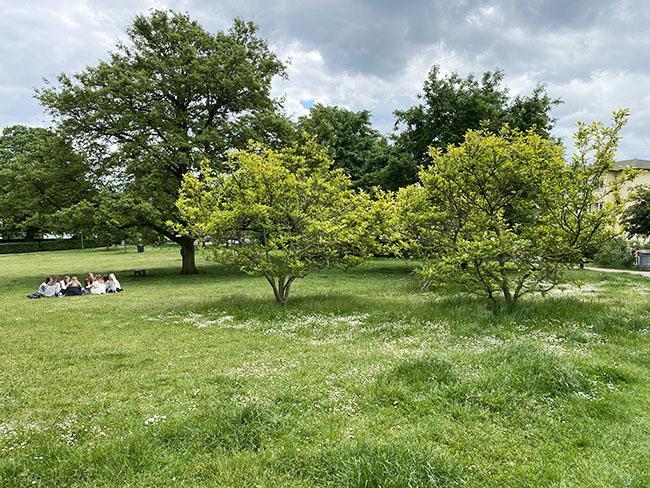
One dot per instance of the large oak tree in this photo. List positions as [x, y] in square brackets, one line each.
[171, 96]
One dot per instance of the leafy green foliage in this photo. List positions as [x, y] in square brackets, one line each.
[40, 176]
[398, 171]
[281, 214]
[503, 214]
[171, 96]
[351, 141]
[451, 105]
[615, 253]
[637, 216]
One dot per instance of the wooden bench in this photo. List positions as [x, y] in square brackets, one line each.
[139, 272]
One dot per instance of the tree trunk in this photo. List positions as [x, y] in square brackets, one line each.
[187, 253]
[509, 298]
[506, 294]
[281, 298]
[505, 287]
[281, 289]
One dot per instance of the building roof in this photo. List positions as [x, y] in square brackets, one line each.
[633, 163]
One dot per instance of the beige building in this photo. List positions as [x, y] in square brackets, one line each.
[642, 177]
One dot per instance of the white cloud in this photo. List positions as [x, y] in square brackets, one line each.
[595, 98]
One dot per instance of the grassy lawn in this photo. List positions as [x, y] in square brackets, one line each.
[361, 381]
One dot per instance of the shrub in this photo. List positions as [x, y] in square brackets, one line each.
[18, 247]
[616, 253]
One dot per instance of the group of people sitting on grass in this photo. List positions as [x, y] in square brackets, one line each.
[97, 284]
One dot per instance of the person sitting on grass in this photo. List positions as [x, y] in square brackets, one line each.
[93, 285]
[53, 288]
[64, 284]
[89, 281]
[74, 288]
[43, 285]
[112, 284]
[98, 287]
[44, 289]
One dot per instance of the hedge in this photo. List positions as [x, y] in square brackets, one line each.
[47, 245]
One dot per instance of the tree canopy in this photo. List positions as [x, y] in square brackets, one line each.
[451, 105]
[351, 141]
[281, 214]
[168, 98]
[503, 214]
[40, 176]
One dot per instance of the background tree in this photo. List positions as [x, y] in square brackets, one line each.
[281, 214]
[502, 214]
[351, 141]
[637, 216]
[451, 105]
[104, 221]
[40, 176]
[171, 96]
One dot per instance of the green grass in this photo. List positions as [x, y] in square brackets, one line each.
[360, 381]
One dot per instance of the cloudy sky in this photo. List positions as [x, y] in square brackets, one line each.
[371, 54]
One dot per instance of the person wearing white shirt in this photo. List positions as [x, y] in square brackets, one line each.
[112, 284]
[43, 285]
[64, 283]
[98, 286]
[52, 289]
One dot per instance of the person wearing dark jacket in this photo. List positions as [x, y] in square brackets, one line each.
[74, 288]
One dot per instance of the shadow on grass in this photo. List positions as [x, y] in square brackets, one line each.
[382, 287]
[155, 276]
[469, 315]
[379, 269]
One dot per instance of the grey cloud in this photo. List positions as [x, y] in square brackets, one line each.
[371, 54]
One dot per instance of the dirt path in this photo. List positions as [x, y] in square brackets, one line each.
[630, 271]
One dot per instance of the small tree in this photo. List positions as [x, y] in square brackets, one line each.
[502, 214]
[280, 214]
